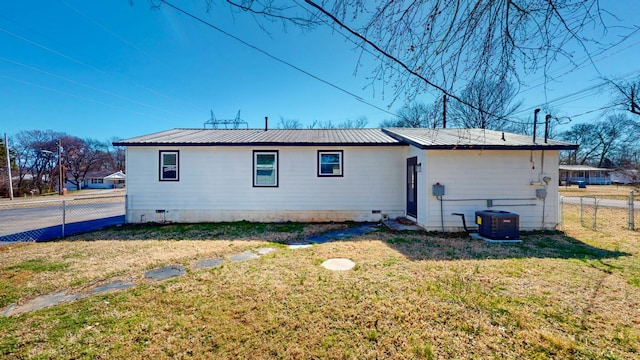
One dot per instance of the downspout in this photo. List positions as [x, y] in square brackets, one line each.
[545, 179]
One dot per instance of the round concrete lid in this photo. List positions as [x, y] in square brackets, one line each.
[338, 264]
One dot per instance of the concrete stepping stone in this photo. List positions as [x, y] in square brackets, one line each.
[166, 272]
[300, 246]
[208, 263]
[247, 255]
[397, 226]
[265, 250]
[116, 285]
[42, 302]
[338, 264]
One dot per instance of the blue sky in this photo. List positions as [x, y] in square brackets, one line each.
[105, 68]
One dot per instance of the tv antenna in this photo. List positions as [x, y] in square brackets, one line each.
[228, 123]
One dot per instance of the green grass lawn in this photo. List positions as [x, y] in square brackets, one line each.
[411, 295]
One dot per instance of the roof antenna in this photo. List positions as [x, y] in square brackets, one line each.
[266, 123]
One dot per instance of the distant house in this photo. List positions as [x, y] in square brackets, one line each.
[211, 175]
[98, 180]
[575, 174]
[625, 177]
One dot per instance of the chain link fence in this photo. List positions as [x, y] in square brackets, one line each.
[24, 220]
[598, 212]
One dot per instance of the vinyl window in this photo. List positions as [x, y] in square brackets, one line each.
[169, 165]
[330, 163]
[265, 168]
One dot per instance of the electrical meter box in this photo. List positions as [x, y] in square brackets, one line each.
[437, 190]
[498, 225]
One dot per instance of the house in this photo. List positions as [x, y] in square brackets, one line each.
[98, 180]
[625, 176]
[317, 175]
[576, 174]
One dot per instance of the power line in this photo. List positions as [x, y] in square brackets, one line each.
[274, 57]
[123, 40]
[79, 97]
[64, 56]
[84, 85]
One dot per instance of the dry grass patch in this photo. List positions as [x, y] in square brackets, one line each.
[411, 295]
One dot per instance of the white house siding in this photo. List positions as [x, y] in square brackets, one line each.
[506, 177]
[216, 184]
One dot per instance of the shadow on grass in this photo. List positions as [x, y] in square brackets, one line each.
[243, 230]
[460, 246]
[414, 245]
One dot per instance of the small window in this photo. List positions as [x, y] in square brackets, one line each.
[265, 168]
[169, 166]
[330, 163]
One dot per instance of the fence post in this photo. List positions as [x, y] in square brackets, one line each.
[581, 223]
[64, 215]
[595, 213]
[631, 211]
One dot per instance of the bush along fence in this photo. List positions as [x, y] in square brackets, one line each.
[604, 211]
[50, 219]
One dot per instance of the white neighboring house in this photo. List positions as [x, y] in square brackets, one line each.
[625, 177]
[211, 175]
[98, 180]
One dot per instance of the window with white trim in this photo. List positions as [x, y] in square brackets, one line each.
[265, 168]
[169, 165]
[330, 163]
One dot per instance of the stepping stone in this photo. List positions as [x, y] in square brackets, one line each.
[166, 272]
[42, 302]
[247, 255]
[300, 246]
[265, 250]
[116, 285]
[338, 264]
[395, 225]
[208, 263]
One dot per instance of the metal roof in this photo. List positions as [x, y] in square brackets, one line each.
[473, 139]
[419, 137]
[290, 137]
[582, 168]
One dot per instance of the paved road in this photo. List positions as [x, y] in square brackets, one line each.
[31, 216]
[624, 204]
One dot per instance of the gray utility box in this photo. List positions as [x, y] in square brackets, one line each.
[498, 225]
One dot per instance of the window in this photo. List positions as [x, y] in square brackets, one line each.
[169, 166]
[97, 181]
[265, 168]
[330, 163]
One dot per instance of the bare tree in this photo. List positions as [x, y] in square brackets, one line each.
[602, 140]
[289, 123]
[626, 95]
[444, 45]
[81, 157]
[116, 156]
[496, 101]
[36, 159]
[358, 123]
[416, 115]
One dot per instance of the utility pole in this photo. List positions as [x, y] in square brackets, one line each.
[444, 111]
[6, 148]
[60, 182]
